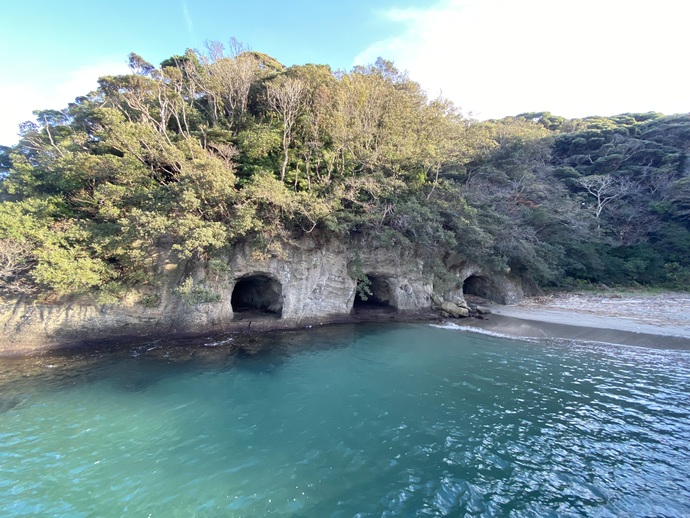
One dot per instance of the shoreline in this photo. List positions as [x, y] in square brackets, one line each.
[646, 320]
[214, 346]
[513, 327]
[661, 320]
[243, 326]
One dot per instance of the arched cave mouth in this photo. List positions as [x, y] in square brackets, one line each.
[379, 299]
[257, 295]
[476, 285]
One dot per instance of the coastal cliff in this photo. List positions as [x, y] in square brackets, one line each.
[169, 202]
[307, 283]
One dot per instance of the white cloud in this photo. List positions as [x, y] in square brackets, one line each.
[503, 57]
[19, 99]
[188, 18]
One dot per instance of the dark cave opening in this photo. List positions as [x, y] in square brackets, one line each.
[379, 297]
[256, 295]
[476, 285]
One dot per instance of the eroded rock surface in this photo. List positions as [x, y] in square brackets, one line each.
[307, 282]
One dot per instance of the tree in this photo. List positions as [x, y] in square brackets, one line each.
[312, 131]
[15, 257]
[286, 97]
[605, 189]
[680, 197]
[195, 156]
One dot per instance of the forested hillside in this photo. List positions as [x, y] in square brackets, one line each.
[216, 147]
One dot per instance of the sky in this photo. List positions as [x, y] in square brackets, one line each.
[492, 58]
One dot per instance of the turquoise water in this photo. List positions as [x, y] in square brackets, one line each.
[367, 420]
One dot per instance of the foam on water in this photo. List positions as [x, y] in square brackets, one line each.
[478, 330]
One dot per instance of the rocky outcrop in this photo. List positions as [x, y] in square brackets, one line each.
[473, 280]
[306, 283]
[454, 310]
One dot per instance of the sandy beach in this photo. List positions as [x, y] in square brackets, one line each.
[624, 318]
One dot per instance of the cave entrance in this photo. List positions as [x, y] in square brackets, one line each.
[256, 296]
[379, 298]
[476, 285]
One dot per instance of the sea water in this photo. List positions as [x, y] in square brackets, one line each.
[365, 420]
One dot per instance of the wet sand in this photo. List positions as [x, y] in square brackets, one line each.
[660, 320]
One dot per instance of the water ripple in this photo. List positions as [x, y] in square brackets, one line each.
[352, 421]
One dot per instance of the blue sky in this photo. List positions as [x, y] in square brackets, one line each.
[491, 57]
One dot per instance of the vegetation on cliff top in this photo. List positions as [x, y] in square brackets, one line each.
[212, 148]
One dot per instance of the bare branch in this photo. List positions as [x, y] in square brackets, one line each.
[286, 98]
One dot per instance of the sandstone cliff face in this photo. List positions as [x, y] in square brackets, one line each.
[501, 289]
[307, 283]
[472, 279]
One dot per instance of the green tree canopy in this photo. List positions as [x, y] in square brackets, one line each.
[216, 147]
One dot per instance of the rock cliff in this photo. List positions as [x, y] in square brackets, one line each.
[306, 283]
